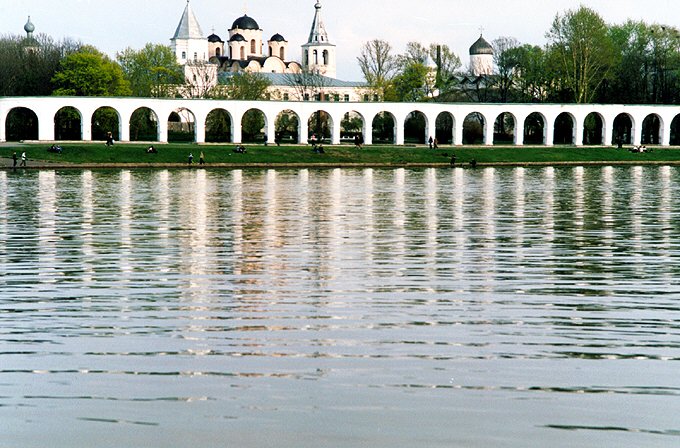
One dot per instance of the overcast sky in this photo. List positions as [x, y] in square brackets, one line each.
[114, 25]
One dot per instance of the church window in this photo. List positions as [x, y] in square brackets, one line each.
[336, 98]
[306, 96]
[184, 55]
[243, 52]
[366, 97]
[252, 46]
[218, 53]
[325, 57]
[316, 57]
[271, 52]
[307, 56]
[195, 56]
[286, 97]
[282, 53]
[346, 98]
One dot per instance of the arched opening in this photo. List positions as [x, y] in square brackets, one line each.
[287, 127]
[243, 53]
[651, 130]
[181, 126]
[444, 128]
[383, 128]
[105, 120]
[271, 51]
[623, 130]
[218, 126]
[253, 126]
[504, 129]
[415, 128]
[473, 129]
[316, 57]
[21, 124]
[282, 53]
[564, 129]
[143, 125]
[218, 52]
[534, 129]
[68, 124]
[675, 131]
[320, 125]
[253, 45]
[351, 126]
[325, 57]
[593, 129]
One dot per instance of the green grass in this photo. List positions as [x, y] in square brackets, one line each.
[95, 153]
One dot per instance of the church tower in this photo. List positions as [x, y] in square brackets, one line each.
[481, 57]
[318, 54]
[189, 44]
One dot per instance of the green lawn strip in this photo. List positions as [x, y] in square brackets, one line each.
[96, 153]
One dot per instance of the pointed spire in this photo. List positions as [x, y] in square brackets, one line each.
[188, 27]
[318, 33]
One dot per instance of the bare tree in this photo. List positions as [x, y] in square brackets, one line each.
[201, 79]
[378, 64]
[308, 85]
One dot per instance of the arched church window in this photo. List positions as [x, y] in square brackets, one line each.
[184, 55]
[316, 57]
[195, 56]
[271, 52]
[307, 56]
[282, 53]
[252, 46]
[243, 52]
[325, 57]
[218, 53]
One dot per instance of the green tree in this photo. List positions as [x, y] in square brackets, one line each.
[506, 66]
[88, 72]
[533, 76]
[245, 86]
[152, 71]
[378, 65]
[411, 84]
[447, 63]
[582, 48]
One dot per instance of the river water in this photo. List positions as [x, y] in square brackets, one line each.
[340, 308]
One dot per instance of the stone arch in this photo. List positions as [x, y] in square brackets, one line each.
[504, 129]
[143, 125]
[652, 130]
[474, 126]
[383, 128]
[254, 126]
[623, 129]
[443, 128]
[320, 124]
[534, 129]
[593, 129]
[352, 125]
[287, 127]
[415, 128]
[104, 120]
[181, 126]
[218, 125]
[68, 124]
[21, 124]
[565, 129]
[675, 131]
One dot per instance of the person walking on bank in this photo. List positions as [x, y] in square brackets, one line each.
[430, 141]
[23, 159]
[201, 159]
[14, 160]
[191, 158]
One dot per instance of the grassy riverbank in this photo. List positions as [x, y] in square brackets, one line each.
[169, 154]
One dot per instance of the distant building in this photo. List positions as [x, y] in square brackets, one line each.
[207, 59]
[481, 58]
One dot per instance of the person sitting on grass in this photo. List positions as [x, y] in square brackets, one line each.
[152, 150]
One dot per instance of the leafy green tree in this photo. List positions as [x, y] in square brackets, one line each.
[447, 63]
[411, 84]
[580, 45]
[88, 72]
[245, 86]
[152, 71]
[506, 66]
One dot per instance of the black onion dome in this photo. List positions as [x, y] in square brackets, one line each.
[237, 38]
[245, 23]
[481, 47]
[214, 38]
[277, 38]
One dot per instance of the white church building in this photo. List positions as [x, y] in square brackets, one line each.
[207, 59]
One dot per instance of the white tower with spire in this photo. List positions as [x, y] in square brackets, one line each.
[189, 44]
[318, 54]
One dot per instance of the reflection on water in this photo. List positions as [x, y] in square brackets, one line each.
[492, 307]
